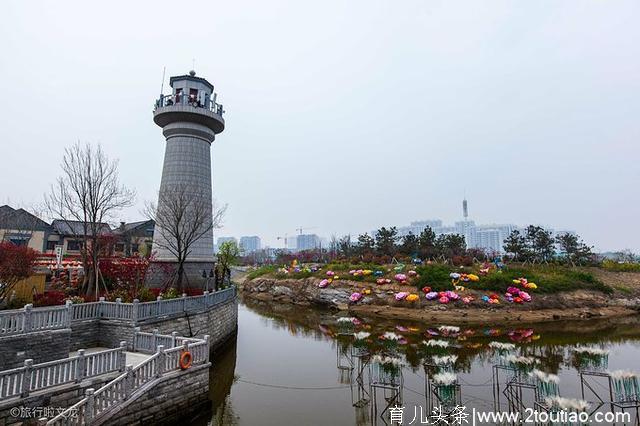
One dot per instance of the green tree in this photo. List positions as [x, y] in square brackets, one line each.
[409, 245]
[386, 240]
[366, 244]
[516, 245]
[345, 248]
[449, 245]
[540, 242]
[228, 255]
[575, 250]
[427, 243]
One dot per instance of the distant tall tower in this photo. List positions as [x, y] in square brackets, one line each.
[190, 119]
[465, 209]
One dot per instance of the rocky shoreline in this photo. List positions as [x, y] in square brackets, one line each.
[380, 302]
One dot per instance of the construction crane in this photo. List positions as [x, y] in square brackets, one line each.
[283, 238]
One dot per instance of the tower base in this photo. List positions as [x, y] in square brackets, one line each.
[160, 271]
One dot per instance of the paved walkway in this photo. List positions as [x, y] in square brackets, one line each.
[133, 358]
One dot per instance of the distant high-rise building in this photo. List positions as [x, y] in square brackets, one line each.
[222, 240]
[486, 237]
[416, 227]
[290, 243]
[307, 242]
[250, 244]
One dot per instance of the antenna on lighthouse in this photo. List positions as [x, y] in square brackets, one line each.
[164, 69]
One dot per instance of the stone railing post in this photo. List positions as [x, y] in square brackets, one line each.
[134, 315]
[89, 407]
[184, 302]
[26, 378]
[206, 299]
[161, 361]
[81, 366]
[174, 335]
[154, 338]
[135, 338]
[101, 307]
[208, 347]
[122, 357]
[128, 382]
[28, 321]
[118, 308]
[69, 304]
[159, 306]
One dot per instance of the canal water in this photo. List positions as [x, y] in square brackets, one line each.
[302, 366]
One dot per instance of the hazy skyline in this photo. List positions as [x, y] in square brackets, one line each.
[345, 116]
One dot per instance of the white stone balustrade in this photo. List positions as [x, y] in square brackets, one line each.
[34, 377]
[164, 361]
[30, 319]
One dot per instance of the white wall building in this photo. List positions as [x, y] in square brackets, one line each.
[307, 242]
[250, 244]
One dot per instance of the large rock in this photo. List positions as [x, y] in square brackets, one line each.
[332, 297]
[281, 290]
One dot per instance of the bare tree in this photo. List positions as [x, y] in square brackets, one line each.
[86, 196]
[182, 216]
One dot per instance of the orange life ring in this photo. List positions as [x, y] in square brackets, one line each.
[185, 360]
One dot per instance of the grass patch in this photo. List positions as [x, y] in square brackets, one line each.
[623, 289]
[263, 270]
[550, 279]
[613, 266]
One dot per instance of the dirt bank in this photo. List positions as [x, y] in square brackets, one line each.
[380, 302]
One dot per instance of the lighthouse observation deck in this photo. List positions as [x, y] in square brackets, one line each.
[190, 108]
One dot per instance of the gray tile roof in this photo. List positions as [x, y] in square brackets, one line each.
[72, 227]
[21, 219]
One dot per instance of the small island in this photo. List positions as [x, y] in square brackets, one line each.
[533, 283]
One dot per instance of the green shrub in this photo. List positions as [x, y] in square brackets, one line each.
[145, 295]
[171, 293]
[435, 276]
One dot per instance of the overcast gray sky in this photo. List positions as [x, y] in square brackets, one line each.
[345, 115]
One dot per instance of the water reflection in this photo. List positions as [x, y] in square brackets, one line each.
[307, 366]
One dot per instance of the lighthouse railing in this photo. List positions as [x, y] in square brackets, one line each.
[189, 100]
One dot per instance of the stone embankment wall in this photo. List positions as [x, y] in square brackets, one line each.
[40, 346]
[219, 323]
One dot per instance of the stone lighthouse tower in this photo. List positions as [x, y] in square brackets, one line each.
[190, 119]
